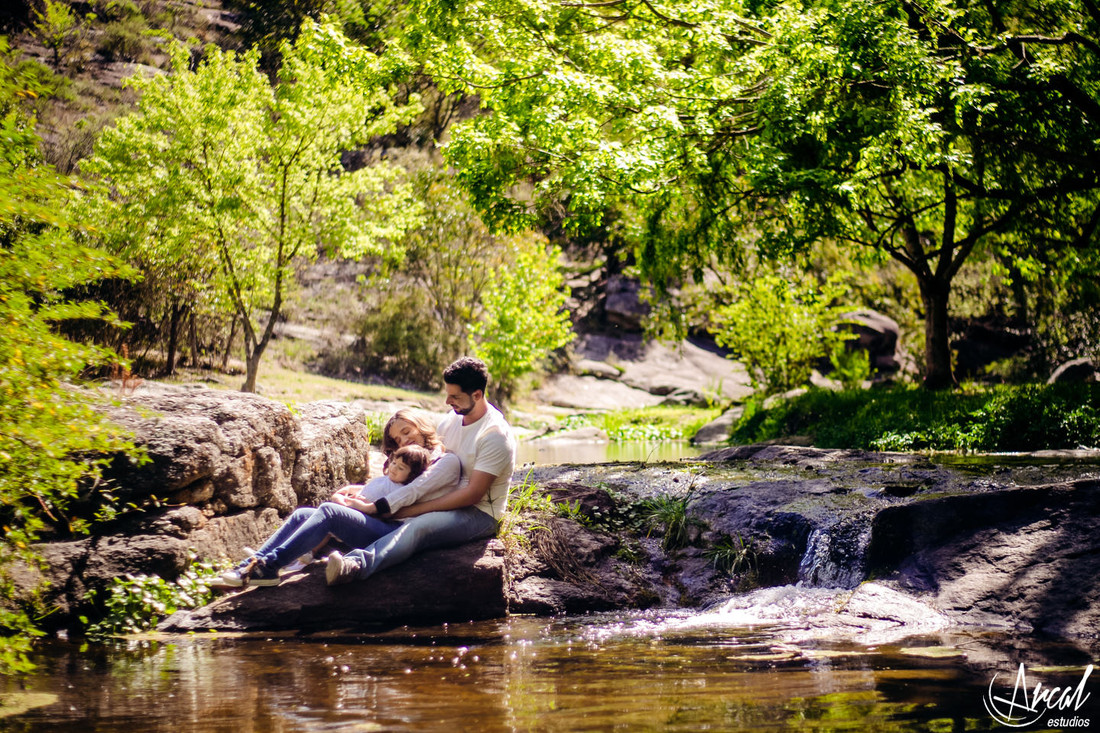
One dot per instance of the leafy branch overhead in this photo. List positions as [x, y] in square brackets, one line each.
[53, 439]
[918, 132]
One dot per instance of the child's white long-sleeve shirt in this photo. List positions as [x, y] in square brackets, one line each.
[441, 477]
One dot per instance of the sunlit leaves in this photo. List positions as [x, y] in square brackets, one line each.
[523, 317]
[779, 329]
[226, 180]
[50, 430]
[597, 103]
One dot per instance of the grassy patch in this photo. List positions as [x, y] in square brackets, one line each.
[648, 423]
[668, 515]
[298, 385]
[1000, 418]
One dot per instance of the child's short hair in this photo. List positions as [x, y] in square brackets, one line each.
[416, 457]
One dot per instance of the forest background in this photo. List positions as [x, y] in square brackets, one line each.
[761, 168]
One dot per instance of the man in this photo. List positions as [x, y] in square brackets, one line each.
[478, 433]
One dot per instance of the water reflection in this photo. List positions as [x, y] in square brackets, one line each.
[550, 452]
[626, 672]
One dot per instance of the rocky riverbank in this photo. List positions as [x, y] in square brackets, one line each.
[1006, 541]
[1006, 545]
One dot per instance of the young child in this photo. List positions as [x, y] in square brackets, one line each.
[403, 465]
[401, 468]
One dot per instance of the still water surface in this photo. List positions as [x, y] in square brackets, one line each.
[550, 452]
[616, 672]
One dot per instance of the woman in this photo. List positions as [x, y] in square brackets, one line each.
[347, 517]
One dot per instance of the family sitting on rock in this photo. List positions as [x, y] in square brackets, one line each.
[441, 487]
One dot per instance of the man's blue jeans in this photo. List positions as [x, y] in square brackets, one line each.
[306, 528]
[424, 532]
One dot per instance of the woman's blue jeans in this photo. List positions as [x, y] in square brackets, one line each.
[307, 528]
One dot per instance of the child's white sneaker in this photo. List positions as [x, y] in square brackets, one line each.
[299, 564]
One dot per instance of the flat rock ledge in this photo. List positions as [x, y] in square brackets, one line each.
[464, 583]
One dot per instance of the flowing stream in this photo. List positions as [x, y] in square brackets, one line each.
[689, 672]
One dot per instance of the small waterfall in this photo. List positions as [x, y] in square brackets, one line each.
[835, 557]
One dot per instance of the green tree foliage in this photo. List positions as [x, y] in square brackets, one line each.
[224, 181]
[56, 25]
[48, 426]
[266, 26]
[780, 329]
[419, 308]
[523, 317]
[920, 132]
[460, 287]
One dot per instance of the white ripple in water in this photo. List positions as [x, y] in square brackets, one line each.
[869, 614]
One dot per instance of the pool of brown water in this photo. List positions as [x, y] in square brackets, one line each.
[643, 671]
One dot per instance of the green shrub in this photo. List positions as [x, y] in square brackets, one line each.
[125, 40]
[117, 10]
[1000, 418]
[523, 317]
[851, 367]
[54, 437]
[402, 341]
[778, 328]
[137, 602]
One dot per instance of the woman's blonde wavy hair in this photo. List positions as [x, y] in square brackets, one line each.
[420, 422]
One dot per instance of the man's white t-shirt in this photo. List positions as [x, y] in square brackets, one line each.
[486, 445]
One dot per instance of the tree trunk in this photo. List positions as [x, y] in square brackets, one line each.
[251, 369]
[194, 334]
[937, 346]
[229, 342]
[254, 350]
[173, 338]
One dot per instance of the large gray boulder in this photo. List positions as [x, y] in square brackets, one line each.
[593, 393]
[622, 305]
[224, 469]
[719, 429]
[224, 450]
[1026, 555]
[877, 334]
[333, 450]
[1076, 371]
[689, 372]
[984, 341]
[164, 546]
[227, 451]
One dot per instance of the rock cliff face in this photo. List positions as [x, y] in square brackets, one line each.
[1007, 541]
[1029, 555]
[228, 451]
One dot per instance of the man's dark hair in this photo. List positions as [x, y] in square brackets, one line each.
[468, 374]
